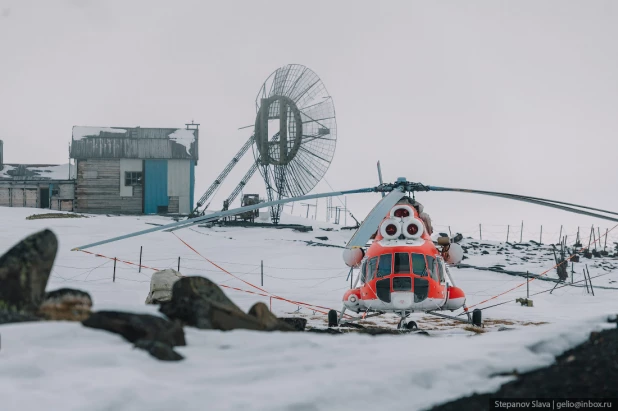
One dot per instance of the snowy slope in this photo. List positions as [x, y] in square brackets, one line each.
[64, 365]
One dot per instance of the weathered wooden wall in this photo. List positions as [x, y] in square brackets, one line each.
[98, 188]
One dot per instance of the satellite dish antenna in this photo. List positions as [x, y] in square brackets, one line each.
[295, 133]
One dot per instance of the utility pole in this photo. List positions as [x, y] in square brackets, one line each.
[521, 232]
[308, 205]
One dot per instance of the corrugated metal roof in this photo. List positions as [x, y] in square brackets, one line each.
[36, 172]
[134, 142]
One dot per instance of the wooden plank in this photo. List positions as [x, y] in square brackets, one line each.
[5, 197]
[31, 197]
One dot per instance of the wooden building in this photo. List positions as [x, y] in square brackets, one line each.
[135, 170]
[36, 185]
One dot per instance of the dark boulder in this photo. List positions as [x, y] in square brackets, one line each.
[24, 271]
[154, 334]
[198, 302]
[298, 323]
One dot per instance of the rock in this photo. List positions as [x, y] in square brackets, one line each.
[324, 238]
[66, 304]
[161, 284]
[24, 271]
[158, 350]
[268, 319]
[198, 302]
[297, 323]
[134, 327]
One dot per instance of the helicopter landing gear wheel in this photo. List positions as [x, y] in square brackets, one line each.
[332, 319]
[412, 325]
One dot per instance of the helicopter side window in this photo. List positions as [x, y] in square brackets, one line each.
[431, 267]
[384, 265]
[371, 269]
[418, 265]
[402, 263]
[441, 270]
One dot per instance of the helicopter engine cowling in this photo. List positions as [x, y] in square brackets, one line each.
[390, 229]
[455, 254]
[352, 257]
[456, 299]
[412, 228]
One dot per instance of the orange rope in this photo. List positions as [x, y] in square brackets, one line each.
[543, 273]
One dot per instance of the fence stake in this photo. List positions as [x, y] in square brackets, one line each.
[262, 273]
[114, 278]
[271, 304]
[449, 232]
[606, 232]
[480, 232]
[527, 285]
[560, 236]
[586, 280]
[599, 237]
[178, 264]
[590, 237]
[508, 228]
[521, 233]
[140, 258]
[541, 237]
[572, 271]
[590, 280]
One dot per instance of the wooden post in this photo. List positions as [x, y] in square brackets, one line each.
[590, 237]
[262, 272]
[560, 236]
[114, 278]
[508, 228]
[577, 239]
[541, 237]
[140, 258]
[449, 232]
[599, 237]
[521, 232]
[572, 271]
[606, 233]
[271, 304]
[527, 285]
[586, 281]
[178, 264]
[480, 232]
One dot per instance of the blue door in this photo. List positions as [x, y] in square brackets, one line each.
[155, 189]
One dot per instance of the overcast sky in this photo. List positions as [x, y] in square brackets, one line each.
[518, 96]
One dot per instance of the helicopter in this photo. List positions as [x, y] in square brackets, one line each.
[402, 271]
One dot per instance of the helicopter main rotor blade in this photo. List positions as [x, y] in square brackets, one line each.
[373, 219]
[220, 214]
[534, 200]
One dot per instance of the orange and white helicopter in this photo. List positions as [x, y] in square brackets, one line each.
[402, 271]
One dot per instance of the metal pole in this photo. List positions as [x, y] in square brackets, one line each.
[560, 236]
[508, 228]
[521, 232]
[449, 231]
[527, 285]
[178, 264]
[351, 276]
[480, 232]
[590, 280]
[262, 275]
[114, 278]
[590, 237]
[140, 258]
[572, 271]
[541, 237]
[599, 237]
[606, 232]
[586, 281]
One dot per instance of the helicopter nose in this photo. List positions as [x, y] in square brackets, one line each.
[402, 299]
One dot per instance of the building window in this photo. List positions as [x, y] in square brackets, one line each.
[132, 178]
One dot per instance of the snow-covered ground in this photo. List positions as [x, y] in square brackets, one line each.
[67, 366]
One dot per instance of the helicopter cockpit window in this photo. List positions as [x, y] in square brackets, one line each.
[402, 263]
[441, 270]
[363, 271]
[371, 269]
[431, 267]
[384, 265]
[418, 265]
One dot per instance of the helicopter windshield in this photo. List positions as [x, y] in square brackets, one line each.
[371, 269]
[418, 265]
[402, 263]
[384, 265]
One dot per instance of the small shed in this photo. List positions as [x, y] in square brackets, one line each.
[135, 170]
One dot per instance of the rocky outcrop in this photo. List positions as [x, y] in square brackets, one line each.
[198, 302]
[24, 272]
[151, 333]
[66, 304]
